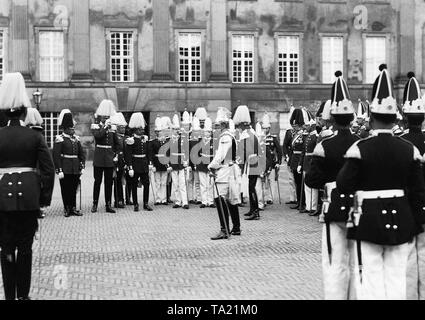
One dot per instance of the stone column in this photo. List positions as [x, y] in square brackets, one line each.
[161, 27]
[219, 47]
[20, 36]
[406, 41]
[81, 43]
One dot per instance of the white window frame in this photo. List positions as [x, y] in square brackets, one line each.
[50, 127]
[334, 66]
[132, 56]
[190, 59]
[51, 57]
[375, 69]
[65, 31]
[254, 35]
[299, 37]
[3, 54]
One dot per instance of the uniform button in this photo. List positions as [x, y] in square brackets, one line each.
[342, 195]
[10, 183]
[19, 182]
[395, 227]
[394, 211]
[384, 211]
[351, 196]
[387, 226]
[342, 208]
[20, 194]
[423, 208]
[10, 195]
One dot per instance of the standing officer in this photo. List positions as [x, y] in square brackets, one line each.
[119, 124]
[328, 159]
[273, 157]
[69, 159]
[179, 165]
[106, 145]
[297, 121]
[138, 158]
[225, 172]
[384, 172]
[414, 110]
[27, 176]
[287, 153]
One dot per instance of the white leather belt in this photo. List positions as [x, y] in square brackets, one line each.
[207, 155]
[103, 146]
[16, 170]
[139, 155]
[69, 156]
[160, 155]
[297, 152]
[177, 154]
[375, 194]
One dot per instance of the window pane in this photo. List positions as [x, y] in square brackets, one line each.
[332, 57]
[375, 50]
[288, 52]
[121, 52]
[2, 53]
[51, 52]
[51, 129]
[243, 58]
[189, 48]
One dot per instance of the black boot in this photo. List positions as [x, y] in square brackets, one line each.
[24, 264]
[255, 216]
[94, 207]
[76, 212]
[147, 207]
[236, 222]
[9, 273]
[221, 235]
[67, 212]
[136, 207]
[109, 208]
[223, 216]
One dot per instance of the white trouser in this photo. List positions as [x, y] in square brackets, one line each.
[193, 188]
[179, 187]
[384, 272]
[311, 198]
[206, 186]
[416, 269]
[161, 186]
[196, 185]
[190, 184]
[338, 276]
[292, 189]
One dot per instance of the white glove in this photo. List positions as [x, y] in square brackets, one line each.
[287, 158]
[153, 169]
[61, 175]
[115, 159]
[150, 167]
[82, 171]
[131, 173]
[169, 169]
[185, 164]
[299, 169]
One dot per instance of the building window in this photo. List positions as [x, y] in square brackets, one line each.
[122, 56]
[2, 53]
[51, 128]
[375, 55]
[190, 57]
[332, 57]
[288, 59]
[243, 58]
[51, 56]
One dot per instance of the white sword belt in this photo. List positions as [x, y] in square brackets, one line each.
[16, 170]
[69, 156]
[297, 152]
[103, 146]
[160, 155]
[139, 155]
[377, 194]
[177, 154]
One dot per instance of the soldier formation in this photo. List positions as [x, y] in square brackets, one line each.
[360, 171]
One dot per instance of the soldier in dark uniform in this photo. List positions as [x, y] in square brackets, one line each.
[287, 154]
[297, 121]
[179, 163]
[248, 149]
[119, 125]
[328, 159]
[27, 176]
[128, 179]
[105, 156]
[311, 194]
[414, 110]
[384, 172]
[69, 159]
[160, 165]
[138, 158]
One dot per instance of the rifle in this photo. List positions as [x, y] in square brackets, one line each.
[276, 178]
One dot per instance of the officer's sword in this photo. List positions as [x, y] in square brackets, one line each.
[80, 193]
[301, 193]
[270, 186]
[153, 192]
[276, 178]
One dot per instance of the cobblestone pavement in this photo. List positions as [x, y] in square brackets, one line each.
[167, 254]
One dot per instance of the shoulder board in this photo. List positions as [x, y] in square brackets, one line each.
[319, 151]
[129, 141]
[354, 152]
[146, 138]
[77, 138]
[59, 138]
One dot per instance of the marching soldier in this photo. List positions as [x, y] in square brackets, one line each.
[158, 155]
[297, 121]
[119, 124]
[386, 200]
[178, 165]
[106, 145]
[414, 110]
[27, 176]
[225, 173]
[328, 159]
[138, 159]
[311, 194]
[69, 159]
[249, 154]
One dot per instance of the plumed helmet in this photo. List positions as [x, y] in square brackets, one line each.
[242, 115]
[13, 93]
[137, 121]
[201, 113]
[176, 122]
[412, 97]
[266, 121]
[68, 121]
[223, 115]
[106, 108]
[61, 114]
[383, 101]
[118, 119]
[340, 97]
[33, 118]
[208, 124]
[158, 123]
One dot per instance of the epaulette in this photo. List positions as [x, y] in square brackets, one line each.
[129, 141]
[77, 138]
[59, 138]
[94, 126]
[319, 151]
